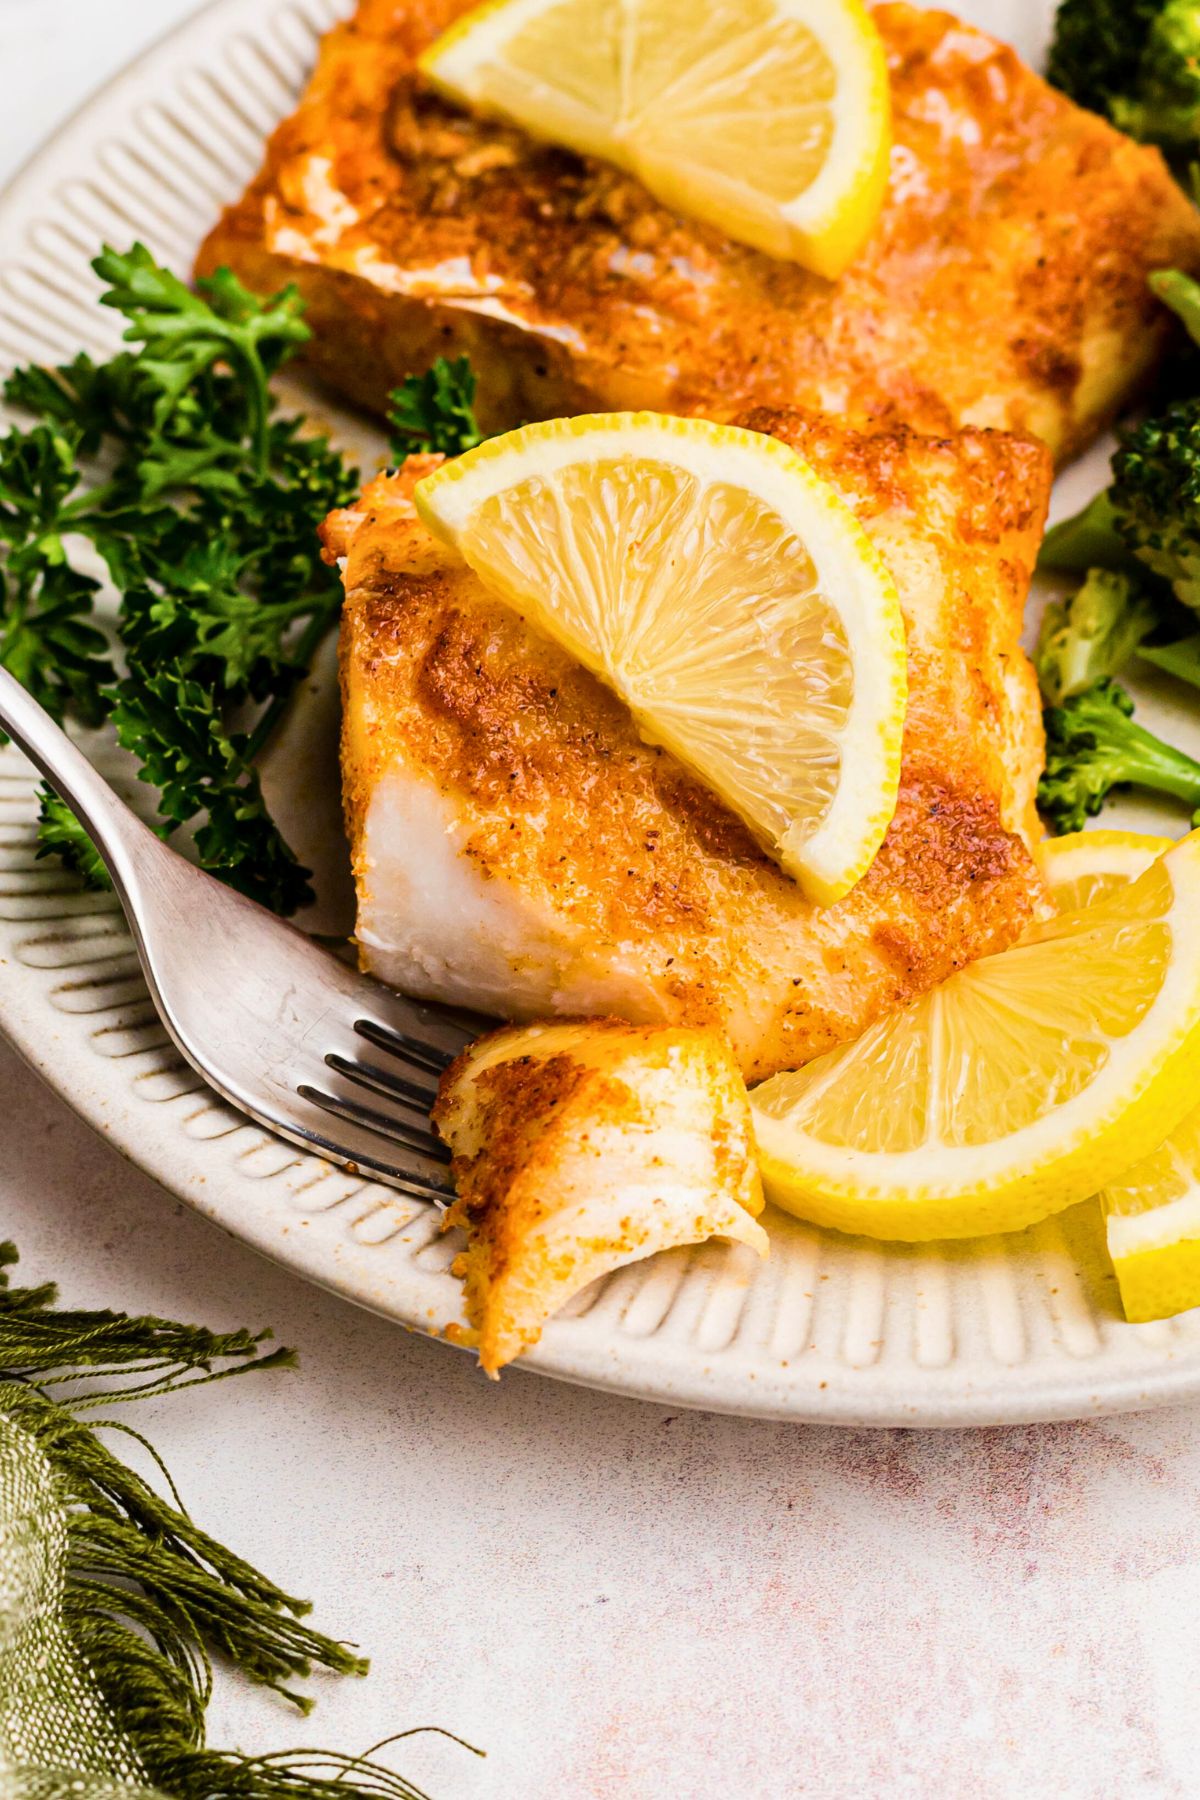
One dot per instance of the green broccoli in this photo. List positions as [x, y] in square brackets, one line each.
[1181, 659]
[1092, 634]
[1164, 107]
[1097, 50]
[1182, 294]
[1151, 512]
[1093, 746]
[1136, 61]
[1155, 496]
[1090, 539]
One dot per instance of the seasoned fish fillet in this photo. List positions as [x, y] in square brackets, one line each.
[1005, 284]
[581, 1147]
[517, 846]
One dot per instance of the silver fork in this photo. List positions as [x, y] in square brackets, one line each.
[278, 1026]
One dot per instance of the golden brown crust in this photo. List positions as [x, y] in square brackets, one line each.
[558, 800]
[582, 1146]
[1005, 284]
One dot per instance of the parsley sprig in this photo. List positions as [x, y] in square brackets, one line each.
[205, 519]
[168, 464]
[46, 638]
[201, 768]
[435, 411]
[60, 834]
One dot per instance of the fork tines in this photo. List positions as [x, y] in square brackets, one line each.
[422, 1045]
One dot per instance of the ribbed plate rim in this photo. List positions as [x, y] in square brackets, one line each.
[58, 1046]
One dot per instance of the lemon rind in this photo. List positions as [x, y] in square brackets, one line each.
[1104, 852]
[1157, 1228]
[1159, 1283]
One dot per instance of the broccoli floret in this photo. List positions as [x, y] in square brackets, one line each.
[1092, 634]
[1093, 746]
[1178, 375]
[1150, 516]
[1156, 496]
[1163, 106]
[1088, 540]
[1181, 659]
[1135, 61]
[1151, 512]
[1182, 294]
[1097, 49]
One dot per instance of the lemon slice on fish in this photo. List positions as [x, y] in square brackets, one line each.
[1026, 1082]
[769, 119]
[725, 592]
[1152, 1214]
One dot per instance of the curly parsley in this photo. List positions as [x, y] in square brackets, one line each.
[435, 411]
[205, 520]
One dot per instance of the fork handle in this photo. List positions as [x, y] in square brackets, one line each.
[115, 829]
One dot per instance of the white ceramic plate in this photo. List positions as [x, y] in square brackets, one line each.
[829, 1329]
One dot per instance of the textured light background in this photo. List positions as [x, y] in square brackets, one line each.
[613, 1599]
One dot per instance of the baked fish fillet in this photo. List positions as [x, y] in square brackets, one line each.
[518, 847]
[581, 1147]
[1005, 284]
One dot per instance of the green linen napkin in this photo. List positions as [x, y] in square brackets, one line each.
[54, 1726]
[112, 1599]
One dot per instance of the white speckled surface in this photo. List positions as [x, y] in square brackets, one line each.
[614, 1599]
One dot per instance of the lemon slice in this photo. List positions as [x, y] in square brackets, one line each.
[1090, 865]
[725, 592]
[1152, 1220]
[1024, 1083]
[769, 119]
[1152, 1214]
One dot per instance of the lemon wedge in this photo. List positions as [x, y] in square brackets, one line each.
[725, 592]
[1152, 1220]
[1024, 1083]
[1152, 1214]
[769, 119]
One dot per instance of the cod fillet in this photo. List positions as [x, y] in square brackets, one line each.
[581, 1147]
[1004, 286]
[518, 847]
